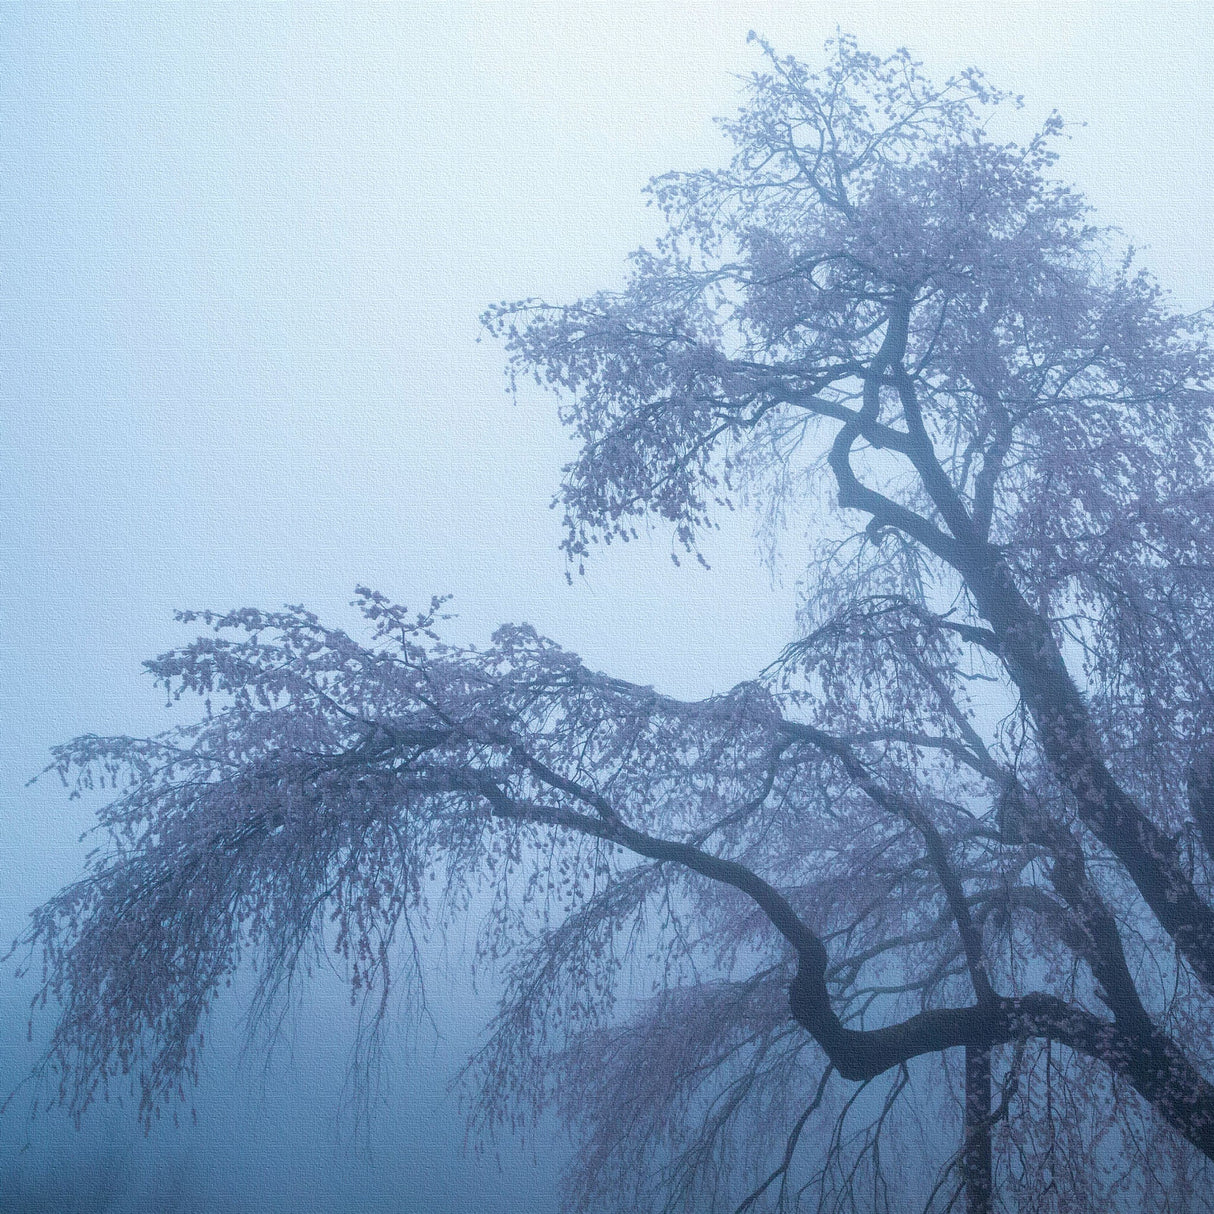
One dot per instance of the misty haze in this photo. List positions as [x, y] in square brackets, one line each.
[615, 612]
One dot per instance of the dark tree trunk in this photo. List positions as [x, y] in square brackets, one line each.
[976, 1165]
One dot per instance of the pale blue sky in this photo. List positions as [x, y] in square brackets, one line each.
[244, 248]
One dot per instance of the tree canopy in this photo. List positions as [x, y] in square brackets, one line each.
[947, 861]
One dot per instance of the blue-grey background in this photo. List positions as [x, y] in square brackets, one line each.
[244, 249]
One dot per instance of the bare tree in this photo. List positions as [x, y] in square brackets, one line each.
[947, 861]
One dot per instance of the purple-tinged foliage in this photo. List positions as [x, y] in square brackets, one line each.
[967, 814]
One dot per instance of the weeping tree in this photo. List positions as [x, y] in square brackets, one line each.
[924, 910]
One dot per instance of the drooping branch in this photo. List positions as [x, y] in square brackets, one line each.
[1147, 1060]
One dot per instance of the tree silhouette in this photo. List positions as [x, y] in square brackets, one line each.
[948, 859]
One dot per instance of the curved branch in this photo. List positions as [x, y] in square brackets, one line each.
[852, 492]
[1034, 662]
[1146, 1059]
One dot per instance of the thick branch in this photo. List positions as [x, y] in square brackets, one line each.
[1201, 798]
[1036, 665]
[852, 493]
[1067, 736]
[1146, 1059]
[1150, 1063]
[729, 872]
[923, 455]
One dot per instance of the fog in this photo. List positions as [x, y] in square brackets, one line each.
[245, 249]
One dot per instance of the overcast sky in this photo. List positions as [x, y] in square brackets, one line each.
[244, 251]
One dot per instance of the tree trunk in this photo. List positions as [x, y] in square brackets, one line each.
[976, 1165]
